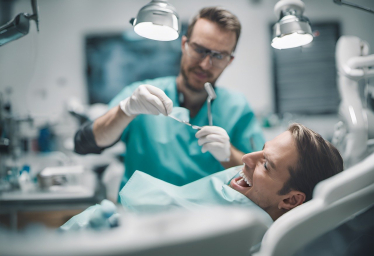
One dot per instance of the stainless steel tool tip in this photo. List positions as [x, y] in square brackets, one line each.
[210, 90]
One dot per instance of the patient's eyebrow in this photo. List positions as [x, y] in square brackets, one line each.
[269, 161]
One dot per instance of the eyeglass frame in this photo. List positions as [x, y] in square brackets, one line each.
[210, 53]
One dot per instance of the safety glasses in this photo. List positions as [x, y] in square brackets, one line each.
[217, 59]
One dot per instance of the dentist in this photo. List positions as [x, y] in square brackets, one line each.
[168, 150]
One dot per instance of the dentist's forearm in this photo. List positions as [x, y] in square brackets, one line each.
[109, 127]
[235, 158]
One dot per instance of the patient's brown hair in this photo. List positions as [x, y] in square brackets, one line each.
[318, 159]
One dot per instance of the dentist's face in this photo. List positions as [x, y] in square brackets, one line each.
[266, 172]
[205, 35]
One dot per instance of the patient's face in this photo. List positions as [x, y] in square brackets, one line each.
[266, 172]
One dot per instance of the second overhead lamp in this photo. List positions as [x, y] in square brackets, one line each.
[158, 20]
[292, 29]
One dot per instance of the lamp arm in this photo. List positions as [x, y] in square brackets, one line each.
[341, 2]
[357, 127]
[360, 66]
[35, 13]
[361, 61]
[19, 26]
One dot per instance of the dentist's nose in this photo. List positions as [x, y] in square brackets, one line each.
[252, 159]
[206, 63]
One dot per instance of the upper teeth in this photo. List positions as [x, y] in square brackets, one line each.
[241, 173]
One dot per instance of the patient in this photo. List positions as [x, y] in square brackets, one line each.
[284, 174]
[276, 180]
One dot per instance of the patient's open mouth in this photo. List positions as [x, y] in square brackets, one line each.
[243, 180]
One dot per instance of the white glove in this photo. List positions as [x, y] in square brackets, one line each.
[147, 99]
[215, 140]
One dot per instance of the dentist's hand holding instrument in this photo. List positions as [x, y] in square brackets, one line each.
[147, 99]
[215, 140]
[107, 129]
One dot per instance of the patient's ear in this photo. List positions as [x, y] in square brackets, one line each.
[291, 200]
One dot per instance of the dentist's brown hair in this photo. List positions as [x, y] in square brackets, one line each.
[224, 18]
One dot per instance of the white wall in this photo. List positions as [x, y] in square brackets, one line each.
[45, 69]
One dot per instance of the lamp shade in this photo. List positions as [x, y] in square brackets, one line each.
[158, 20]
[292, 29]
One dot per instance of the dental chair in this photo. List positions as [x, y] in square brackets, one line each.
[354, 133]
[335, 201]
[213, 231]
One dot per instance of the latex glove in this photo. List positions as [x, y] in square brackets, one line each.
[147, 99]
[215, 140]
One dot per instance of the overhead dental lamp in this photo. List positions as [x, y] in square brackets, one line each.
[292, 29]
[19, 26]
[158, 20]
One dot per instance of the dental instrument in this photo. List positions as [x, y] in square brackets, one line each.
[186, 122]
[182, 115]
[211, 96]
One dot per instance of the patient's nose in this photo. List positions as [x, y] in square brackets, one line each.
[251, 159]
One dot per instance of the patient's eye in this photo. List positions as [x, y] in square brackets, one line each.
[266, 165]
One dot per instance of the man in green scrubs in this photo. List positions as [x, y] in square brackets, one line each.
[164, 148]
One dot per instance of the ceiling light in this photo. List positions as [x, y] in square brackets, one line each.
[292, 29]
[158, 20]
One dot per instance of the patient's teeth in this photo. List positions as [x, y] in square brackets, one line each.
[244, 177]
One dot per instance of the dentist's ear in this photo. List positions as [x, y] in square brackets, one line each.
[232, 58]
[291, 200]
[183, 42]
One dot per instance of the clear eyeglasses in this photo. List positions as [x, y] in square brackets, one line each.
[217, 59]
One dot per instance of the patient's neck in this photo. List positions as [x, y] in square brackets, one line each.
[276, 213]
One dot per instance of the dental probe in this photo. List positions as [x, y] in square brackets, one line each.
[185, 122]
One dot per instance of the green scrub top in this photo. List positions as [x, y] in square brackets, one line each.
[168, 150]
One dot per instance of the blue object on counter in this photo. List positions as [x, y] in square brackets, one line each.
[46, 140]
[25, 168]
[97, 217]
